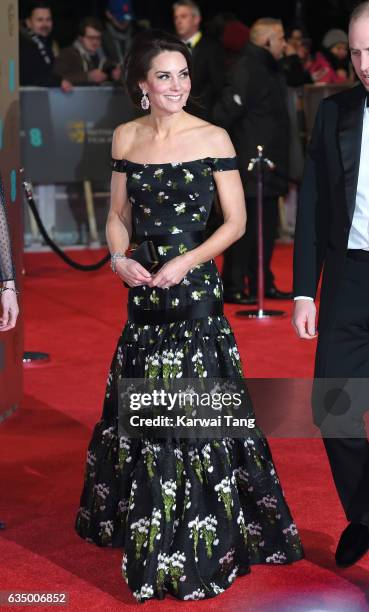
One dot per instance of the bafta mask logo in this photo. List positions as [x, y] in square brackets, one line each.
[76, 131]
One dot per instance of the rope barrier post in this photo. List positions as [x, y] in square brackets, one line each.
[259, 162]
[36, 236]
[91, 217]
[31, 358]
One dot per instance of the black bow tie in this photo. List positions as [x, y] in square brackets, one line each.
[189, 45]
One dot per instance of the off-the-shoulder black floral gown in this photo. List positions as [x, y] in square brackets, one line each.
[191, 516]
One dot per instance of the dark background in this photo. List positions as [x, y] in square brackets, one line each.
[318, 15]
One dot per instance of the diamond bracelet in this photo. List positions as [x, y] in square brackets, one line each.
[113, 259]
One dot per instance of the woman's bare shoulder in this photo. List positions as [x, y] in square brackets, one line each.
[214, 138]
[219, 142]
[124, 135]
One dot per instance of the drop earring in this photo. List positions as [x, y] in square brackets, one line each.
[145, 102]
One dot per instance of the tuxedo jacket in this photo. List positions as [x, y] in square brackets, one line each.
[327, 198]
[207, 77]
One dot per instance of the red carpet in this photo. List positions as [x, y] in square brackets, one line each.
[77, 317]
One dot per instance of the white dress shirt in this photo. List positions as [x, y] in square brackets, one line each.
[359, 232]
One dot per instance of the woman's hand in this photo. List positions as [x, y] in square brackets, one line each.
[171, 273]
[132, 273]
[10, 310]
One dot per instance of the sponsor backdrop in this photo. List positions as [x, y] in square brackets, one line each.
[11, 343]
[66, 138]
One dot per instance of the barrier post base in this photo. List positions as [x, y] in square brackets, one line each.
[260, 314]
[33, 358]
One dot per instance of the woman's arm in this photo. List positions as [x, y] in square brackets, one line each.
[232, 202]
[119, 222]
[8, 295]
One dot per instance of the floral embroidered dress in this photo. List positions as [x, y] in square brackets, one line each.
[191, 515]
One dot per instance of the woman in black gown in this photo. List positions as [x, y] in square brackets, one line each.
[191, 514]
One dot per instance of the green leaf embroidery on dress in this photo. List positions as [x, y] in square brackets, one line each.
[136, 177]
[158, 174]
[175, 230]
[194, 534]
[124, 452]
[154, 298]
[223, 489]
[168, 491]
[196, 464]
[154, 533]
[208, 533]
[176, 568]
[179, 465]
[140, 531]
[163, 250]
[180, 208]
[241, 523]
[106, 531]
[188, 176]
[161, 197]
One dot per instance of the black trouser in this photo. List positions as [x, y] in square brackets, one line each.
[240, 259]
[343, 353]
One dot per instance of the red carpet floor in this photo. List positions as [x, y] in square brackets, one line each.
[77, 317]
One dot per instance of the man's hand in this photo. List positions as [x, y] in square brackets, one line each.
[66, 86]
[116, 73]
[97, 76]
[303, 319]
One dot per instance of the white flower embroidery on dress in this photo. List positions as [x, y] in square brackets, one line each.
[180, 208]
[188, 176]
[158, 174]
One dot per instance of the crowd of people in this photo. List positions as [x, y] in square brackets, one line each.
[244, 79]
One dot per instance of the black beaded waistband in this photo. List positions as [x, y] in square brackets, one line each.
[172, 315]
[358, 254]
[164, 239]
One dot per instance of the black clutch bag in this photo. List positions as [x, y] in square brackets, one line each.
[146, 255]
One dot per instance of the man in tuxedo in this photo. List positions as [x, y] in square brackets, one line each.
[333, 230]
[208, 59]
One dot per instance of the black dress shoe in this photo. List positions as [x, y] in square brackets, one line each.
[238, 298]
[275, 294]
[353, 544]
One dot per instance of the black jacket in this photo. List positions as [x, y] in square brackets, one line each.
[33, 70]
[327, 198]
[253, 108]
[207, 78]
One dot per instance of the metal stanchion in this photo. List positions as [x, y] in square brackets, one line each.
[32, 358]
[260, 313]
